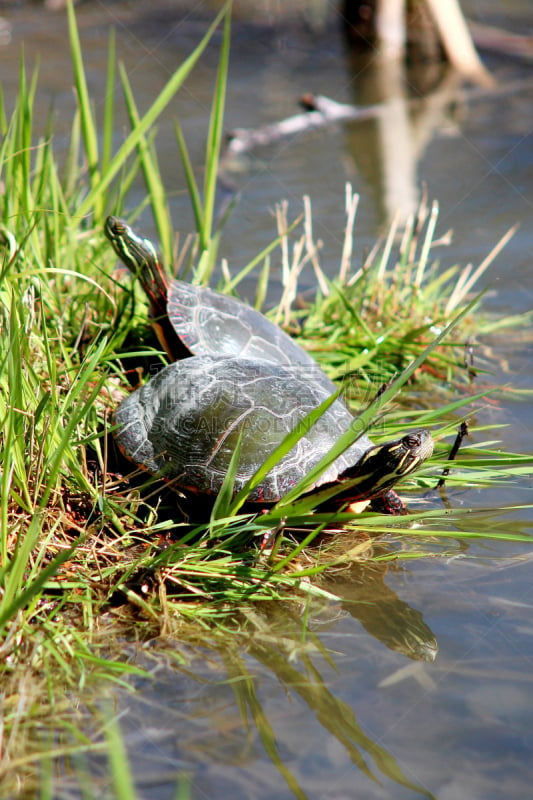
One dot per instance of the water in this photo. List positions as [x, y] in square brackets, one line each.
[461, 726]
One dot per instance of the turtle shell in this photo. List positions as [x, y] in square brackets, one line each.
[185, 424]
[213, 324]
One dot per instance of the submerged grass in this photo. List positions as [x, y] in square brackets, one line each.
[84, 556]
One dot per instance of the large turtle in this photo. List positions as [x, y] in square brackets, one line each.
[240, 379]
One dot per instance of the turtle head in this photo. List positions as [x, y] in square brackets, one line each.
[141, 258]
[136, 252]
[382, 465]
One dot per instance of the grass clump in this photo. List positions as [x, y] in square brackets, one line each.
[370, 321]
[86, 556]
[68, 325]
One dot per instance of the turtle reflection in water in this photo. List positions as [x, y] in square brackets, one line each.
[237, 377]
[365, 595]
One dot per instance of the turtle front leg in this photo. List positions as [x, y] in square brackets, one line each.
[388, 503]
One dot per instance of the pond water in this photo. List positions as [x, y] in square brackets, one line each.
[457, 728]
[281, 719]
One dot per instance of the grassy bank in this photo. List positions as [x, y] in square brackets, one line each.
[87, 557]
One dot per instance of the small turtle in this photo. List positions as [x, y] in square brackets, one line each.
[195, 320]
[241, 379]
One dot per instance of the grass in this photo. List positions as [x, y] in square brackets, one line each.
[86, 558]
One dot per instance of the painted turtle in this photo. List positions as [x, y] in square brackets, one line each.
[243, 379]
[195, 320]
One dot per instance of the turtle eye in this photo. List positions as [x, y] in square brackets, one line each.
[412, 440]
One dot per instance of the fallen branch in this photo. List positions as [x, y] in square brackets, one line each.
[319, 111]
[513, 44]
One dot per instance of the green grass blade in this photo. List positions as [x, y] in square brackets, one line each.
[192, 185]
[214, 137]
[147, 121]
[88, 124]
[32, 590]
[285, 446]
[109, 105]
[152, 175]
[223, 505]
